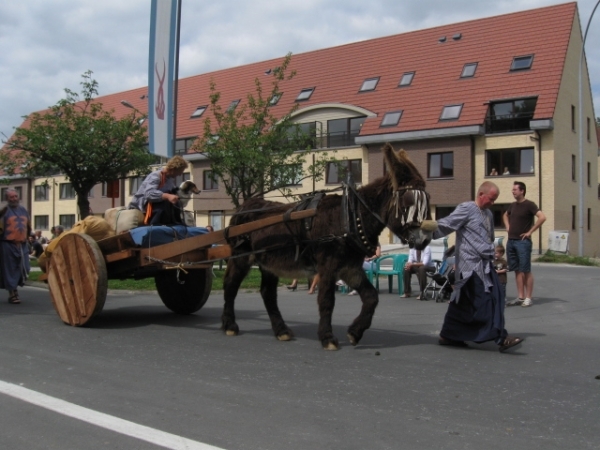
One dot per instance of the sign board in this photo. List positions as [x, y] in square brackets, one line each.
[161, 69]
[558, 241]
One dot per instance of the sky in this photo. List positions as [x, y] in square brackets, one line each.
[45, 46]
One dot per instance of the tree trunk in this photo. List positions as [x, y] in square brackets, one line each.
[84, 205]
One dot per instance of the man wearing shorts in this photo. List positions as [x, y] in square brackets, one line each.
[520, 223]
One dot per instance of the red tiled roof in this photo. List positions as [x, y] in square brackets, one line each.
[338, 72]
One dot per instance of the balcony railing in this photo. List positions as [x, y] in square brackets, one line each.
[508, 123]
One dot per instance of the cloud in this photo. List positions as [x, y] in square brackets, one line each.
[46, 46]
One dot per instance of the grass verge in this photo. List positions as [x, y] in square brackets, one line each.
[252, 281]
[551, 257]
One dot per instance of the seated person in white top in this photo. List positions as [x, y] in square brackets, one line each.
[419, 262]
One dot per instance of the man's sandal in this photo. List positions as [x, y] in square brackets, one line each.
[14, 298]
[510, 342]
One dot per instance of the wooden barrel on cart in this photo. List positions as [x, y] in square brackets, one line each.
[77, 279]
[184, 293]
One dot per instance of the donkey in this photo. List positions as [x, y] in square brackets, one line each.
[345, 230]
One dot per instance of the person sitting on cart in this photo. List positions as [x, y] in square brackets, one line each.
[155, 196]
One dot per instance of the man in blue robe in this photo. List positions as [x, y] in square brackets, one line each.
[476, 309]
[14, 251]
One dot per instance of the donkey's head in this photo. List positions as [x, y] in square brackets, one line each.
[408, 216]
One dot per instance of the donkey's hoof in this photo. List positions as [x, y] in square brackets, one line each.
[330, 344]
[287, 336]
[231, 329]
[353, 339]
[232, 332]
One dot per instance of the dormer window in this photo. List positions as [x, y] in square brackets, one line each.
[305, 94]
[406, 79]
[233, 105]
[521, 63]
[468, 70]
[275, 99]
[369, 84]
[391, 119]
[199, 111]
[451, 112]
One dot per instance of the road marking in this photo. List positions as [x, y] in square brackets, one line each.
[157, 437]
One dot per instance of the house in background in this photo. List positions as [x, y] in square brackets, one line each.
[467, 101]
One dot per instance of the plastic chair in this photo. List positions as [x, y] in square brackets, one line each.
[389, 266]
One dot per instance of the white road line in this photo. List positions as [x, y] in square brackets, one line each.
[112, 423]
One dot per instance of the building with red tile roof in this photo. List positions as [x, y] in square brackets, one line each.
[494, 93]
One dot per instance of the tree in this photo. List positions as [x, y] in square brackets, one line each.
[252, 151]
[80, 140]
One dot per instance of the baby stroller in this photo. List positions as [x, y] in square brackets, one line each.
[441, 281]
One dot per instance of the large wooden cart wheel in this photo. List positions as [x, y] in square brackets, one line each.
[184, 293]
[77, 279]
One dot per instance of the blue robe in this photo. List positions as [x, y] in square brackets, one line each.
[14, 251]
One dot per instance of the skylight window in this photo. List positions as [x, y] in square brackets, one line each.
[199, 111]
[275, 99]
[521, 62]
[369, 84]
[451, 112]
[305, 94]
[468, 70]
[233, 105]
[406, 79]
[391, 119]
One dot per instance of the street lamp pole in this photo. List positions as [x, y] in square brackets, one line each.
[581, 152]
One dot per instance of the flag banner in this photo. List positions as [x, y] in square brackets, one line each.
[161, 68]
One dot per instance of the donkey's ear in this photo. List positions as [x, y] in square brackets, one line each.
[396, 166]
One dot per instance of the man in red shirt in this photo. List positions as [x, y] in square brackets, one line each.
[519, 220]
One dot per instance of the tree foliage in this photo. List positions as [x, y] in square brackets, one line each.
[81, 140]
[252, 151]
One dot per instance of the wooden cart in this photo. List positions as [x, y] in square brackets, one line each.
[79, 269]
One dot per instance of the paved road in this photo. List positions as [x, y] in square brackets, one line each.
[396, 390]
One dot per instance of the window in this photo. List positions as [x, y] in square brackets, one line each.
[573, 168]
[66, 191]
[16, 188]
[305, 134]
[134, 184]
[275, 99]
[589, 138]
[342, 132]
[216, 219]
[304, 94]
[337, 171]
[443, 211]
[181, 178]
[510, 115]
[440, 165]
[512, 161]
[66, 220]
[406, 79]
[233, 105]
[391, 119]
[183, 145]
[199, 111]
[573, 218]
[589, 174]
[573, 117]
[521, 63]
[210, 181]
[451, 112]
[498, 210]
[41, 193]
[287, 175]
[468, 70]
[40, 222]
[369, 84]
[589, 219]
